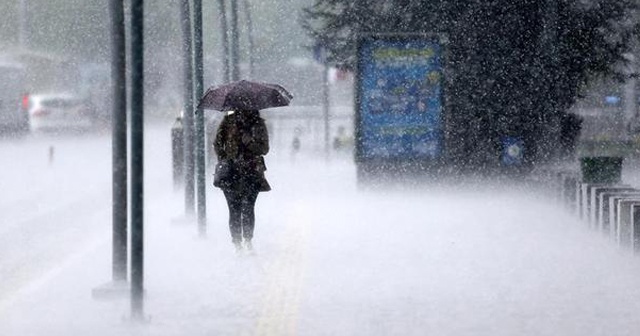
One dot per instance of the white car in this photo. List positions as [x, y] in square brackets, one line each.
[58, 112]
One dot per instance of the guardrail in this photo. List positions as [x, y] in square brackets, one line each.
[611, 208]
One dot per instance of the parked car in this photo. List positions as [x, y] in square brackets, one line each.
[13, 103]
[59, 112]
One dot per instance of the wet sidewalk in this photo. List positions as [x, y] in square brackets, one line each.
[332, 260]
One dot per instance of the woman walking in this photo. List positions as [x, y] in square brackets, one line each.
[240, 143]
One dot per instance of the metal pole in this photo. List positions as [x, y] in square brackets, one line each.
[199, 118]
[631, 92]
[247, 10]
[235, 43]
[119, 140]
[325, 108]
[189, 181]
[225, 41]
[23, 17]
[550, 48]
[137, 159]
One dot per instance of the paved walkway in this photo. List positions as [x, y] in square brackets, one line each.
[332, 260]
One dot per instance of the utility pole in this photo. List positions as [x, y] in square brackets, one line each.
[320, 53]
[189, 179]
[631, 86]
[549, 46]
[226, 74]
[235, 43]
[199, 118]
[325, 108]
[119, 141]
[247, 10]
[23, 24]
[120, 196]
[137, 161]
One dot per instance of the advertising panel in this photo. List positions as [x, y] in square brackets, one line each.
[399, 102]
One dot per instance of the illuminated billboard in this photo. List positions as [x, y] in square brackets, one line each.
[399, 97]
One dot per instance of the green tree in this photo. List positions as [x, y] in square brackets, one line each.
[517, 65]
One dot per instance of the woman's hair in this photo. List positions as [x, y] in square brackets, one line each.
[248, 111]
[249, 114]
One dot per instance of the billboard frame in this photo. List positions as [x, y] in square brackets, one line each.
[375, 166]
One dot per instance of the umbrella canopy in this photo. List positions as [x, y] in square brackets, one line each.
[245, 95]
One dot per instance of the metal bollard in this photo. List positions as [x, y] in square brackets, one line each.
[602, 204]
[625, 222]
[51, 154]
[569, 186]
[177, 153]
[635, 227]
[596, 205]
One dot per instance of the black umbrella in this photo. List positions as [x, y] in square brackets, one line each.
[245, 95]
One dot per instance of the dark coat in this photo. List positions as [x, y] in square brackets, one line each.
[242, 140]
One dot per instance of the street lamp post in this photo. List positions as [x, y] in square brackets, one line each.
[120, 197]
[119, 141]
[189, 180]
[199, 118]
[247, 10]
[549, 45]
[23, 24]
[235, 43]
[137, 159]
[222, 8]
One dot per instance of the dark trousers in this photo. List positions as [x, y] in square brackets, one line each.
[241, 214]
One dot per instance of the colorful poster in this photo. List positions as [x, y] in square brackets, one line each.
[400, 98]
